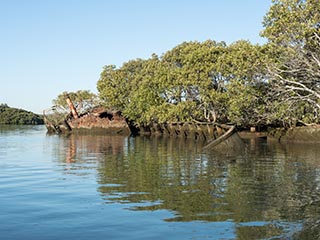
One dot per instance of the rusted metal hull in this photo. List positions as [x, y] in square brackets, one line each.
[197, 130]
[91, 123]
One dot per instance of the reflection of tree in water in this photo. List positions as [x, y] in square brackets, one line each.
[303, 166]
[281, 182]
[169, 171]
[270, 183]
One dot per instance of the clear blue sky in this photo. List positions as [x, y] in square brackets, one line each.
[51, 46]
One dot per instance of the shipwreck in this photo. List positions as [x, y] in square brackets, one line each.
[96, 119]
[100, 120]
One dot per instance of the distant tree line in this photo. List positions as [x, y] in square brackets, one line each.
[9, 115]
[275, 84]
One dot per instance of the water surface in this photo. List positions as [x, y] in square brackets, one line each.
[114, 187]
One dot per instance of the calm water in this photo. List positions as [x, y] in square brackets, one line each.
[104, 187]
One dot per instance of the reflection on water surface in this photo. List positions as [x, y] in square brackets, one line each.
[273, 188]
[266, 191]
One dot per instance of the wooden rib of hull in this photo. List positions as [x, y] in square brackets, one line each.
[214, 142]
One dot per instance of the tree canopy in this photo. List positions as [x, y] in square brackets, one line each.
[293, 30]
[202, 81]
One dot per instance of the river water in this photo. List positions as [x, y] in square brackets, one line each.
[113, 187]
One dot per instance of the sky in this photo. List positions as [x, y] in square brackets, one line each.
[51, 46]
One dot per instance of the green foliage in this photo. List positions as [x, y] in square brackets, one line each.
[189, 82]
[244, 65]
[17, 116]
[291, 22]
[293, 30]
[240, 83]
